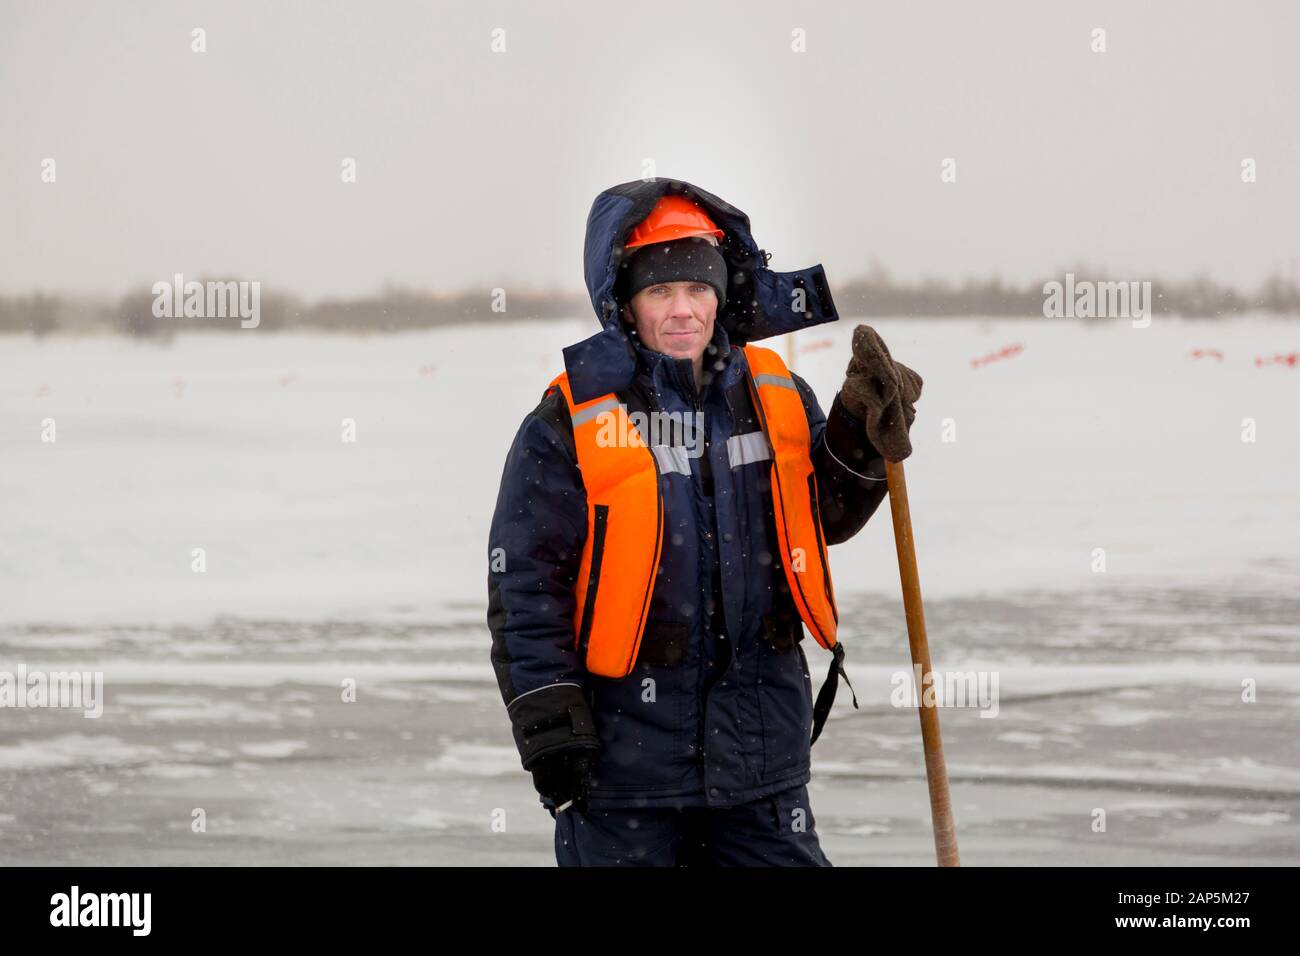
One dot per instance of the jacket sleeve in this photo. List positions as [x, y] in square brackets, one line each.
[534, 549]
[850, 471]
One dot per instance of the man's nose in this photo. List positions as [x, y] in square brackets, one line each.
[682, 305]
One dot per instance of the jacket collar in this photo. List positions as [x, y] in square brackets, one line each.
[664, 371]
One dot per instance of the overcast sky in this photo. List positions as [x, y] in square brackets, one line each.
[477, 168]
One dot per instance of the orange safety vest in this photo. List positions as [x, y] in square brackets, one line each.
[625, 517]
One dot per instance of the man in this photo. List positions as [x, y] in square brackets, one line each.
[659, 543]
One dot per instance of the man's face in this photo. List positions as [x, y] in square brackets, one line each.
[675, 318]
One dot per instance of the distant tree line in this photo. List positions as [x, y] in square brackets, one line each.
[396, 309]
[876, 294]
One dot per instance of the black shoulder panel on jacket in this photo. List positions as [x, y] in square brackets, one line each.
[554, 410]
[804, 390]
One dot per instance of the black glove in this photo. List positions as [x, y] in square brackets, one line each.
[562, 777]
[882, 393]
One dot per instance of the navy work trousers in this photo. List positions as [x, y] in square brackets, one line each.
[772, 831]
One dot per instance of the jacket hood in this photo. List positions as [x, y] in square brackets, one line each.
[760, 302]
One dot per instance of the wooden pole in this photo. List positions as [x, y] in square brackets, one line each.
[936, 771]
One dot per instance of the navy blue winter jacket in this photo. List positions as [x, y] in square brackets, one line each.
[718, 708]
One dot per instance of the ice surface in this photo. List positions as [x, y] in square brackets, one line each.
[334, 565]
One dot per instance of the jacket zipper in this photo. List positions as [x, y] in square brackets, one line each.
[693, 392]
[704, 697]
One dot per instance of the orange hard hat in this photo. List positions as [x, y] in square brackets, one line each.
[673, 217]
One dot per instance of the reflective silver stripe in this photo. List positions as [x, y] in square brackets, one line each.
[587, 414]
[767, 378]
[742, 449]
[562, 683]
[848, 469]
[672, 460]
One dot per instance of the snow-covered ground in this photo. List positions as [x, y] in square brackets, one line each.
[1091, 437]
[328, 560]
